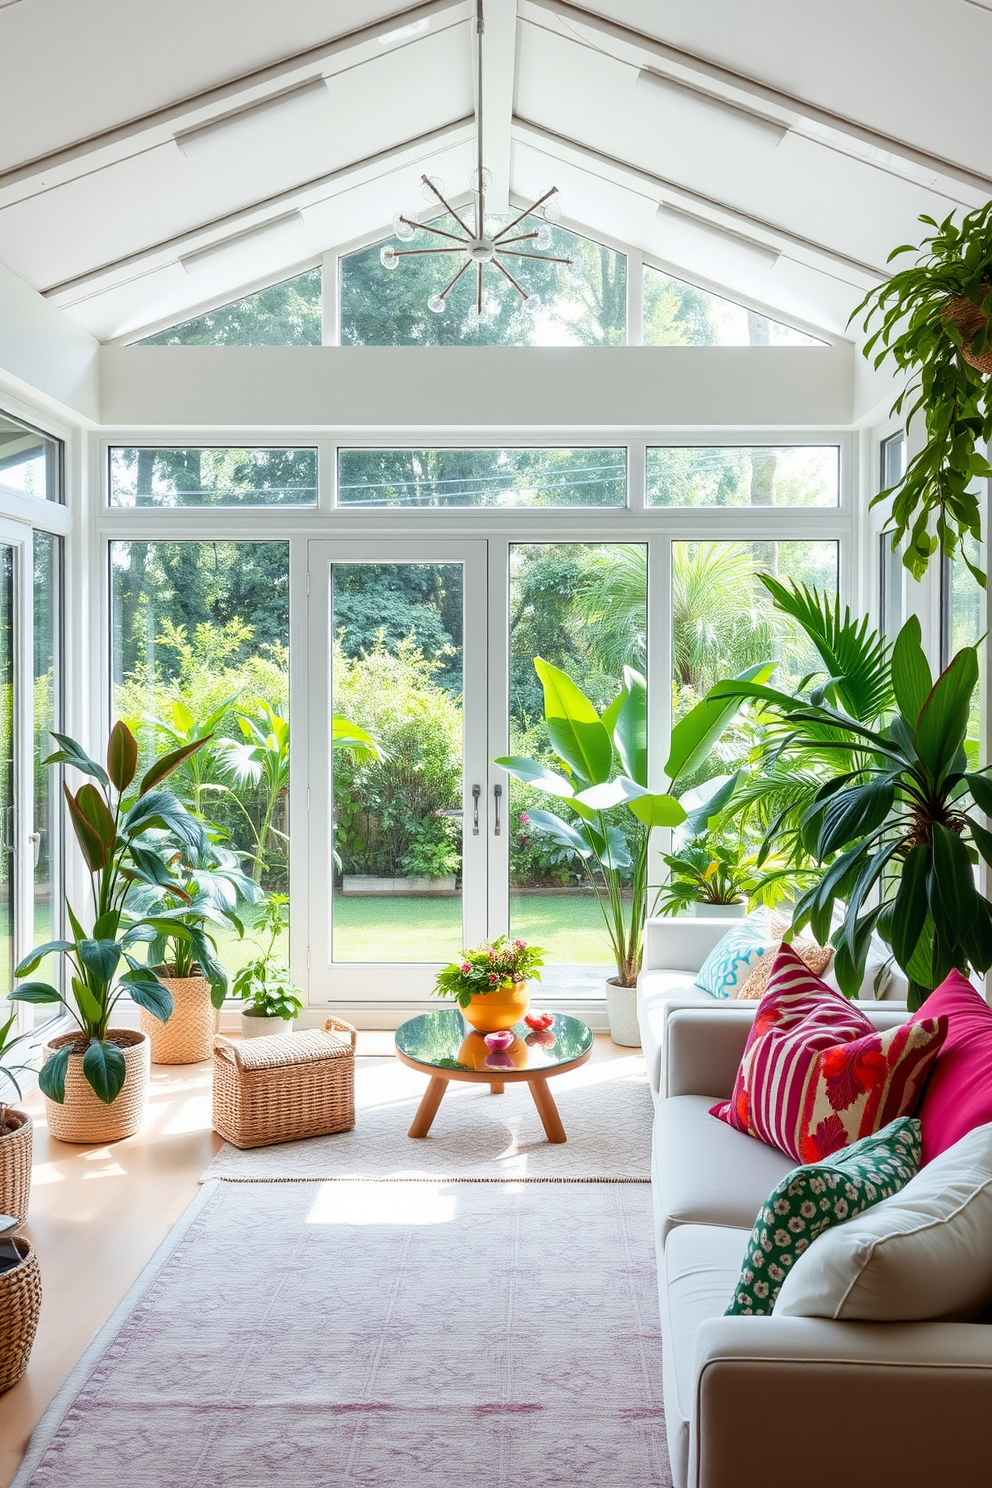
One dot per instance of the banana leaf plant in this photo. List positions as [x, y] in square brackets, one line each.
[113, 826]
[213, 887]
[601, 780]
[897, 833]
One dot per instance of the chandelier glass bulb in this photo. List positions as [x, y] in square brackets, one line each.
[543, 239]
[402, 229]
[431, 189]
[436, 304]
[388, 256]
[532, 304]
[551, 209]
[487, 180]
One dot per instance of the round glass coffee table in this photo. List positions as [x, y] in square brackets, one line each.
[444, 1047]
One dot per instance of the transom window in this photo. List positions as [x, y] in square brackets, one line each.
[482, 477]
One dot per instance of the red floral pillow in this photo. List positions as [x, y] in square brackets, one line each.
[816, 1074]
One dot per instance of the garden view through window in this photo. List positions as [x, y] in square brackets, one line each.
[213, 477]
[492, 477]
[200, 647]
[30, 462]
[286, 314]
[751, 475]
[681, 314]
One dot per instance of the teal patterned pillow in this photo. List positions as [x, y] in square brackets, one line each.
[812, 1199]
[730, 960]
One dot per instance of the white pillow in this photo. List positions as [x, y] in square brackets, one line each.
[924, 1253]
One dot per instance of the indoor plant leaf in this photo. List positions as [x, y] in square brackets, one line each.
[122, 756]
[911, 679]
[51, 1076]
[576, 731]
[104, 1068]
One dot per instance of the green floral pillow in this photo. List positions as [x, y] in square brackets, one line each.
[812, 1199]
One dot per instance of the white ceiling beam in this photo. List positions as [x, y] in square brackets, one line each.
[820, 124]
[298, 198]
[499, 60]
[159, 126]
[666, 192]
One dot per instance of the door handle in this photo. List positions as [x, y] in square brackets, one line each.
[497, 795]
[476, 793]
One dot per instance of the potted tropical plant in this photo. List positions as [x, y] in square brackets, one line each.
[208, 887]
[95, 1079]
[897, 833]
[600, 779]
[711, 875]
[936, 323]
[490, 982]
[266, 983]
[16, 1130]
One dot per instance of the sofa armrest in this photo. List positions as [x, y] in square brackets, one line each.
[853, 1403]
[681, 943]
[703, 1047]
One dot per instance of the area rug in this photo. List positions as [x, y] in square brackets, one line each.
[404, 1335]
[605, 1107]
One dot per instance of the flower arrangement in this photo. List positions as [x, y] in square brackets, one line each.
[495, 963]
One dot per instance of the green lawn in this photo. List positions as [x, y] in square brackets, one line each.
[420, 928]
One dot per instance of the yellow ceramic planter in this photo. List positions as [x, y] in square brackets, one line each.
[476, 1054]
[500, 1008]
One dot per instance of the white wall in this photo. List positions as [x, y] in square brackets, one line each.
[453, 387]
[44, 355]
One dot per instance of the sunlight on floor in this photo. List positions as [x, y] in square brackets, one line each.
[383, 1204]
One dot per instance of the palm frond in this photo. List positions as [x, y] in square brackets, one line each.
[855, 657]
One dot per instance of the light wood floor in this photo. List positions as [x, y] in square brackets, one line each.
[99, 1213]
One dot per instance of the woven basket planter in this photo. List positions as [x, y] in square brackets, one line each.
[188, 1036]
[20, 1306]
[969, 320]
[15, 1164]
[286, 1087]
[84, 1118]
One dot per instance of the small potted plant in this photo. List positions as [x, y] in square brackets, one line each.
[266, 984]
[715, 877]
[95, 1080]
[209, 885]
[15, 1131]
[490, 983]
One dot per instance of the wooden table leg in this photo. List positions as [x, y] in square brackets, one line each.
[497, 1087]
[427, 1109]
[546, 1109]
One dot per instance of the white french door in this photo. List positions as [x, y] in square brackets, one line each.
[384, 911]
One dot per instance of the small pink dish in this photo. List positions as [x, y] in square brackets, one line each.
[502, 1039]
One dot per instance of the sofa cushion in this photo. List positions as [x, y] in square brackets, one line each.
[735, 953]
[655, 991]
[923, 1254]
[814, 1199]
[958, 1094]
[704, 1172]
[698, 1274]
[816, 1075]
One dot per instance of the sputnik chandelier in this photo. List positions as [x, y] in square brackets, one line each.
[483, 245]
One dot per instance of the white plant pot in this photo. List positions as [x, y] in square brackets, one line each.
[252, 1027]
[621, 1007]
[721, 911]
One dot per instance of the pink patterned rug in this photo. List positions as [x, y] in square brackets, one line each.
[387, 1335]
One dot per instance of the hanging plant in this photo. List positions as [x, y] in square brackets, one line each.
[937, 322]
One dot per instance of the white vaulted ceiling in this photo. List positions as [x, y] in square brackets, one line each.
[819, 130]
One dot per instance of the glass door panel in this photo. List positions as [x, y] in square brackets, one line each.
[45, 839]
[9, 707]
[398, 837]
[583, 607]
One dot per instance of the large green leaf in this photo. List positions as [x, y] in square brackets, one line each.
[91, 1010]
[71, 753]
[658, 810]
[561, 831]
[34, 958]
[981, 790]
[91, 803]
[148, 992]
[575, 729]
[909, 912]
[854, 813]
[694, 735]
[91, 844]
[615, 792]
[37, 992]
[855, 657]
[122, 756]
[101, 957]
[943, 721]
[911, 679]
[954, 880]
[630, 734]
[698, 817]
[51, 1076]
[169, 762]
[532, 772]
[104, 1068]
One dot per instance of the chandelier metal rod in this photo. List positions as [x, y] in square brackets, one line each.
[427, 227]
[507, 275]
[521, 239]
[542, 257]
[450, 285]
[480, 26]
[431, 187]
[416, 252]
[525, 213]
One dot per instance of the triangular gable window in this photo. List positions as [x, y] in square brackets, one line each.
[286, 314]
[680, 314]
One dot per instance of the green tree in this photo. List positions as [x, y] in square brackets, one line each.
[286, 314]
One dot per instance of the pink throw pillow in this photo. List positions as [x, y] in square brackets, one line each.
[816, 1074]
[958, 1094]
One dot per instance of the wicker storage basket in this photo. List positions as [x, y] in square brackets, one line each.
[83, 1117]
[20, 1304]
[969, 319]
[282, 1088]
[15, 1164]
[188, 1036]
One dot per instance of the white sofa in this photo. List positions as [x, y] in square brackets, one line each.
[674, 950]
[765, 1401]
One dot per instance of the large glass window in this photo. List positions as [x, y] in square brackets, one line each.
[581, 305]
[287, 314]
[680, 314]
[46, 837]
[201, 646]
[463, 477]
[963, 623]
[213, 477]
[755, 475]
[30, 462]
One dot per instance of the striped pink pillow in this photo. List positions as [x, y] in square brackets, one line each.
[816, 1075]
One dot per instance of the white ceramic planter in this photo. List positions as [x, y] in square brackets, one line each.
[721, 911]
[621, 1007]
[252, 1027]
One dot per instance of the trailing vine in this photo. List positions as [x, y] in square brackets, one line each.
[937, 321]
